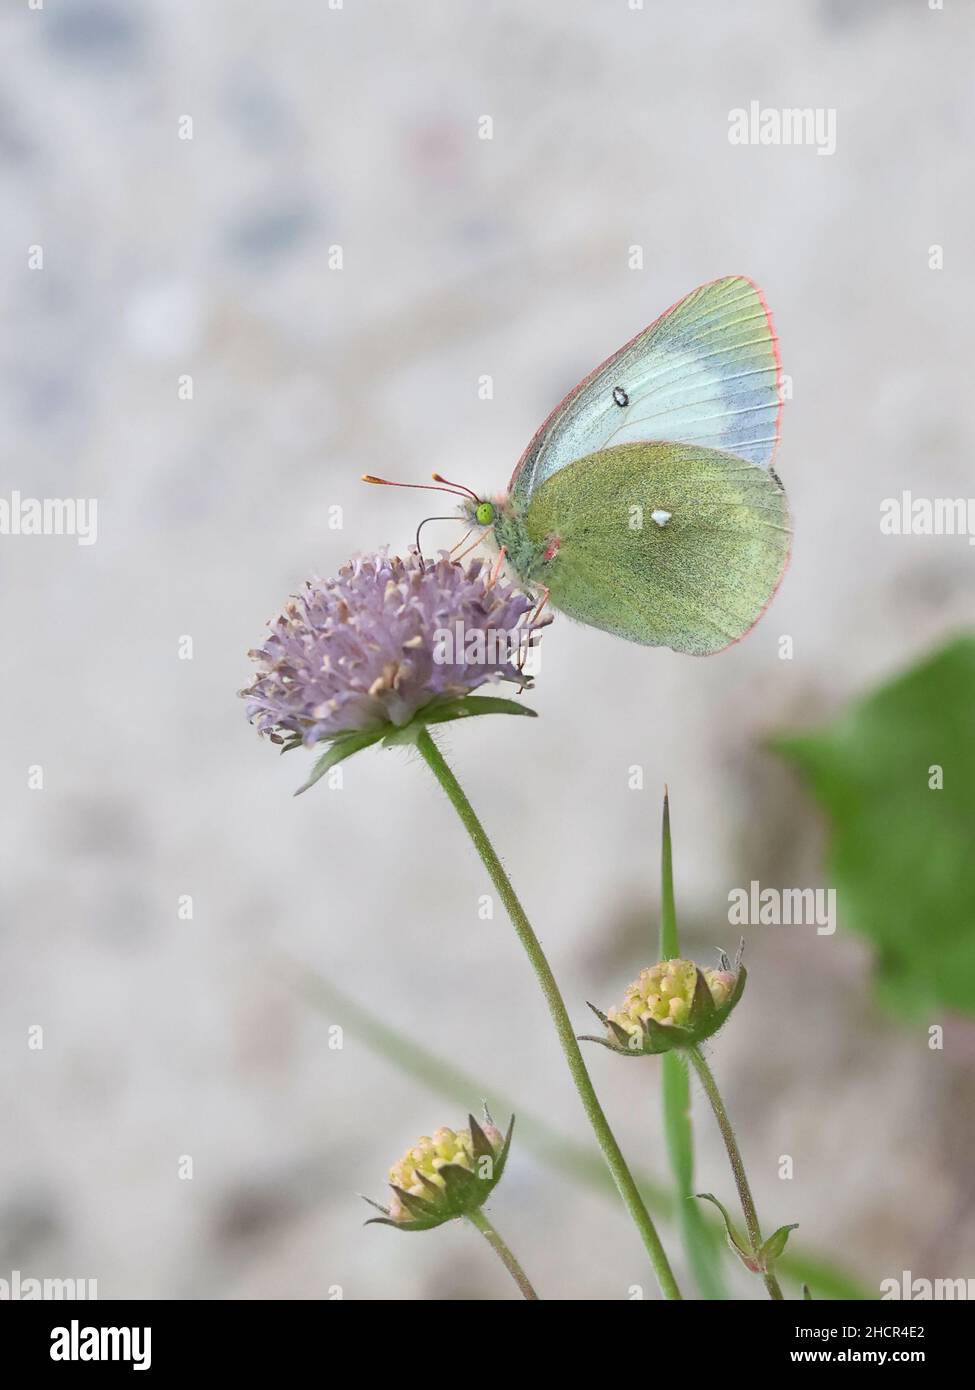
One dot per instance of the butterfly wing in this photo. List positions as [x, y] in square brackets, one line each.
[667, 544]
[706, 372]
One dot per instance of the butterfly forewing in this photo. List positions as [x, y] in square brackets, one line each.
[706, 372]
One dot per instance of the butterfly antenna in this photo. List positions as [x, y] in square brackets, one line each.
[455, 491]
[459, 486]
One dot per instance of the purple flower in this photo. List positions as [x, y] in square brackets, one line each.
[388, 637]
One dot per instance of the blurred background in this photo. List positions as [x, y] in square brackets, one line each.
[278, 253]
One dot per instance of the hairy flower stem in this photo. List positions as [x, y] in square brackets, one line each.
[628, 1189]
[707, 1080]
[478, 1219]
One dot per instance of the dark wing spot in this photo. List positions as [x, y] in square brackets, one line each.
[620, 396]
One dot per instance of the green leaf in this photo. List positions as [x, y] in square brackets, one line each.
[341, 747]
[739, 1246]
[700, 1240]
[776, 1243]
[669, 945]
[901, 852]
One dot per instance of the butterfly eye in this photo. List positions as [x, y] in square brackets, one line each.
[485, 513]
[620, 396]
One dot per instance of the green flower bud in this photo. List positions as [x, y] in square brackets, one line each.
[672, 1004]
[445, 1175]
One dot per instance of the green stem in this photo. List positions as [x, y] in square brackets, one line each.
[703, 1254]
[478, 1219]
[627, 1188]
[558, 1151]
[707, 1080]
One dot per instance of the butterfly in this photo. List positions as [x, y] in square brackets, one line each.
[646, 504]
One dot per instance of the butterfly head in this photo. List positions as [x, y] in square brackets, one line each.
[476, 511]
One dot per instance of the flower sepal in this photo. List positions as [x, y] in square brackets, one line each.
[340, 747]
[674, 1004]
[444, 1177]
[444, 711]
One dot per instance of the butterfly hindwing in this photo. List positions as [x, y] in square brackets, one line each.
[706, 372]
[667, 544]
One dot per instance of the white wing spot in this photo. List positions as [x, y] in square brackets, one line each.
[620, 396]
[660, 516]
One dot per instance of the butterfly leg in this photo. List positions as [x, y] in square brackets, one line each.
[541, 604]
[454, 548]
[531, 623]
[457, 558]
[496, 571]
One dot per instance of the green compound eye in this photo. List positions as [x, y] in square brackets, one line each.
[485, 513]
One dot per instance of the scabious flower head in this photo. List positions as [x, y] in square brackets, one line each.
[446, 1175]
[421, 1164]
[665, 993]
[384, 640]
[672, 1004]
